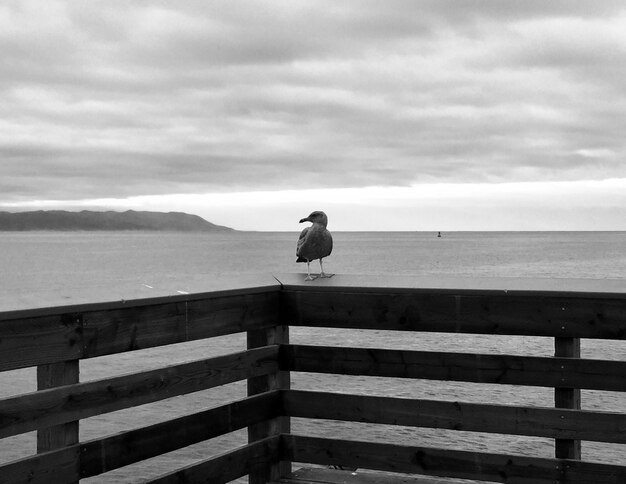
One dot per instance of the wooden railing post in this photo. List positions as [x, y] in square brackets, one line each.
[277, 381]
[54, 375]
[63, 435]
[567, 398]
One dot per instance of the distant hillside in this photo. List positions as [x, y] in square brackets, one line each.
[90, 220]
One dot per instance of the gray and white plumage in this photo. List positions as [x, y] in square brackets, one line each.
[315, 242]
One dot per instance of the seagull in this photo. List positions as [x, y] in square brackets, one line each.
[315, 242]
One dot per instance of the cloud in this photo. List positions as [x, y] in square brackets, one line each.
[115, 99]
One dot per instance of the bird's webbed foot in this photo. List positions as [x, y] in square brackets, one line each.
[327, 276]
[310, 278]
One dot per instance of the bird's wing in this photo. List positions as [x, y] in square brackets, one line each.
[301, 241]
[329, 244]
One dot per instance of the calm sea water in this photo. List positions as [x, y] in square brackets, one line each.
[60, 263]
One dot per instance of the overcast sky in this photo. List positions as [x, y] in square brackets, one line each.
[390, 115]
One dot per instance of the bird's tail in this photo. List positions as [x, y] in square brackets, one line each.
[300, 259]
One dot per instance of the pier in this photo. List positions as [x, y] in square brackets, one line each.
[55, 338]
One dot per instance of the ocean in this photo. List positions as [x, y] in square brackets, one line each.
[57, 264]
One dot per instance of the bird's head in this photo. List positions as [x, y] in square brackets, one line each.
[317, 217]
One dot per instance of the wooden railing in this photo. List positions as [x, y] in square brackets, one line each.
[56, 339]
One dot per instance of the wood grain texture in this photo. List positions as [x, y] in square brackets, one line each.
[53, 338]
[225, 467]
[567, 398]
[459, 285]
[449, 463]
[40, 340]
[91, 458]
[470, 367]
[124, 295]
[51, 376]
[280, 380]
[57, 466]
[59, 405]
[488, 314]
[138, 327]
[102, 455]
[501, 419]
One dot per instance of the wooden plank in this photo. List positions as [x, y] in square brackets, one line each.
[491, 314]
[137, 327]
[50, 467]
[449, 463]
[98, 297]
[94, 457]
[133, 328]
[470, 367]
[52, 338]
[40, 340]
[567, 398]
[280, 380]
[51, 376]
[501, 419]
[459, 285]
[219, 316]
[310, 475]
[56, 406]
[103, 455]
[225, 467]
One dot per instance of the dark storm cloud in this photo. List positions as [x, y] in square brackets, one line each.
[112, 99]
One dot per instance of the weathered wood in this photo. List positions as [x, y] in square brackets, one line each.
[279, 380]
[70, 333]
[126, 294]
[59, 405]
[333, 476]
[567, 398]
[458, 285]
[471, 367]
[57, 466]
[66, 434]
[138, 327]
[47, 339]
[449, 463]
[91, 458]
[103, 455]
[226, 467]
[236, 314]
[444, 312]
[50, 376]
[474, 417]
[40, 340]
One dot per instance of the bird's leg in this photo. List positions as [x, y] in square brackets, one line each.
[309, 277]
[322, 274]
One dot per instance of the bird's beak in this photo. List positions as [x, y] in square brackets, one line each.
[304, 220]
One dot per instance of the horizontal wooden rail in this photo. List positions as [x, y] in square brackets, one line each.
[501, 419]
[32, 341]
[470, 367]
[107, 332]
[449, 463]
[228, 466]
[62, 466]
[105, 454]
[40, 340]
[73, 402]
[538, 315]
[56, 339]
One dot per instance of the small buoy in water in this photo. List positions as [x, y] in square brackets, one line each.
[439, 234]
